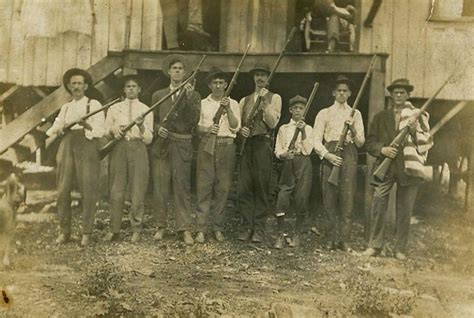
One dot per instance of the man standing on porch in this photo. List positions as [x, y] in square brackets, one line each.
[172, 158]
[338, 200]
[78, 155]
[256, 162]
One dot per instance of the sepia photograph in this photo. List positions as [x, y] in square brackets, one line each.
[237, 158]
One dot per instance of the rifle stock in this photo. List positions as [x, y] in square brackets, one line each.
[111, 144]
[256, 107]
[211, 142]
[335, 171]
[50, 140]
[381, 171]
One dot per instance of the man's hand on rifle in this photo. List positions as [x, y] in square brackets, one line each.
[214, 129]
[333, 159]
[118, 132]
[139, 122]
[225, 102]
[263, 92]
[245, 132]
[288, 155]
[189, 87]
[84, 125]
[300, 125]
[390, 152]
[163, 132]
[412, 123]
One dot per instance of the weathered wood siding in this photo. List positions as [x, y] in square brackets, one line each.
[426, 52]
[36, 61]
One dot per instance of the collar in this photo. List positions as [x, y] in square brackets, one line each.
[340, 106]
[407, 105]
[171, 87]
[131, 100]
[83, 99]
[210, 99]
[292, 122]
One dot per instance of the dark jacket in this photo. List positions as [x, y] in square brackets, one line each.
[187, 118]
[381, 133]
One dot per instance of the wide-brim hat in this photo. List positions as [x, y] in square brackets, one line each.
[342, 79]
[174, 58]
[401, 83]
[73, 72]
[298, 100]
[260, 67]
[216, 72]
[131, 77]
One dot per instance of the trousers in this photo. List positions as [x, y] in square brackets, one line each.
[295, 182]
[339, 200]
[77, 158]
[405, 201]
[214, 179]
[128, 165]
[254, 182]
[172, 184]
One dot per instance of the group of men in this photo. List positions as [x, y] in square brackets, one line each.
[218, 120]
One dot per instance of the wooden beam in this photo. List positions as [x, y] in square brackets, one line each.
[8, 93]
[376, 104]
[39, 92]
[28, 120]
[291, 62]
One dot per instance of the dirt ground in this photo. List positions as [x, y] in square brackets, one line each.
[162, 279]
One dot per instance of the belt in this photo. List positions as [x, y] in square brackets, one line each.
[179, 137]
[128, 138]
[221, 140]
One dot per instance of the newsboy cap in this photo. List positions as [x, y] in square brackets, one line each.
[214, 73]
[298, 100]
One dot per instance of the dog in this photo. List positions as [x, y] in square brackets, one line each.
[15, 194]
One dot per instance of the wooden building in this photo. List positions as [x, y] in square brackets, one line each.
[422, 40]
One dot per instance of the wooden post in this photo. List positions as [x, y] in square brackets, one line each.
[469, 199]
[376, 104]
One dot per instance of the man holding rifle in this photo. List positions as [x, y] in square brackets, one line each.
[78, 154]
[338, 200]
[172, 158]
[402, 171]
[256, 162]
[129, 158]
[297, 174]
[214, 171]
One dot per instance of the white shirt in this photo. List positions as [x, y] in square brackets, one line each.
[124, 113]
[285, 135]
[75, 110]
[209, 107]
[329, 124]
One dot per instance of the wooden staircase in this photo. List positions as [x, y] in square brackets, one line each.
[26, 133]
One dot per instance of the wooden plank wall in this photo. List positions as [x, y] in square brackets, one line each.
[41, 61]
[261, 22]
[425, 52]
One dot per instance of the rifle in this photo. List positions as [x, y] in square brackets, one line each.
[211, 142]
[381, 171]
[250, 121]
[307, 107]
[111, 144]
[334, 176]
[49, 141]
